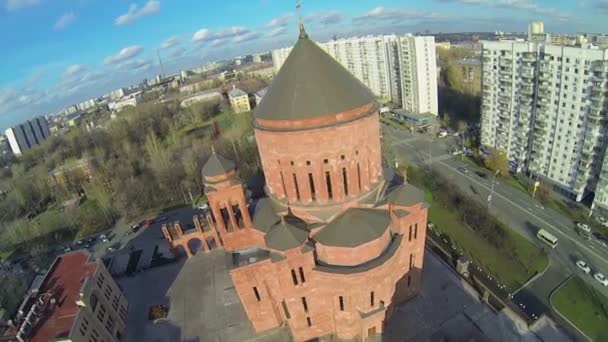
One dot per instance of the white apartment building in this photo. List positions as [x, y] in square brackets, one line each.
[545, 106]
[401, 69]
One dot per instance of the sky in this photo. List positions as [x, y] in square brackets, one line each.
[59, 52]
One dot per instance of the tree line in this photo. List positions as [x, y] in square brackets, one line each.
[148, 157]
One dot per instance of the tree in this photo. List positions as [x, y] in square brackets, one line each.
[497, 161]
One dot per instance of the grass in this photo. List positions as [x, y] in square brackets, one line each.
[583, 306]
[5, 254]
[511, 271]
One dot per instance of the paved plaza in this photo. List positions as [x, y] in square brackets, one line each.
[204, 307]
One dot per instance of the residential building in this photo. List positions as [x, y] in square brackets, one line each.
[85, 105]
[239, 100]
[78, 301]
[130, 101]
[536, 29]
[470, 74]
[259, 95]
[81, 168]
[401, 69]
[257, 59]
[26, 135]
[544, 104]
[337, 243]
[204, 96]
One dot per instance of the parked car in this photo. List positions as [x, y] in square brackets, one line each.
[162, 218]
[110, 249]
[442, 134]
[456, 152]
[456, 134]
[147, 223]
[203, 206]
[583, 266]
[481, 174]
[464, 170]
[600, 277]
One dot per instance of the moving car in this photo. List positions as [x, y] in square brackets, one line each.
[600, 277]
[463, 170]
[583, 266]
[456, 152]
[584, 230]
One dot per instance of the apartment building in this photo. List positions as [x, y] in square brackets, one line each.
[26, 135]
[239, 100]
[400, 69]
[78, 302]
[545, 106]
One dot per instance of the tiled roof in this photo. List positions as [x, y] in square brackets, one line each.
[311, 84]
[354, 227]
[217, 165]
[64, 280]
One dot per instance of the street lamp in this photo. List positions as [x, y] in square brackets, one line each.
[492, 189]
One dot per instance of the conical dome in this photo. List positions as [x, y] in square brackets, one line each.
[311, 84]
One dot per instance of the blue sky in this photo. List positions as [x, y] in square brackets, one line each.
[58, 52]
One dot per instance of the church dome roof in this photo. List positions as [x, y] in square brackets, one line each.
[311, 84]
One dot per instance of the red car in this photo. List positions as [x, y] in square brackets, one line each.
[147, 223]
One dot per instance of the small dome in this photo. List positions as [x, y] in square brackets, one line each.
[354, 227]
[289, 233]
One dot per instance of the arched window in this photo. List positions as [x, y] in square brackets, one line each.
[94, 301]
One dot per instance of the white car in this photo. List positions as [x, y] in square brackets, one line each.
[456, 152]
[583, 226]
[583, 266]
[600, 277]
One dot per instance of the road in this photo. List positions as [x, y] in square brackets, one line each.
[514, 207]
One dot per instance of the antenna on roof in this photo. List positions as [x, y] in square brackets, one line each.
[160, 61]
[298, 9]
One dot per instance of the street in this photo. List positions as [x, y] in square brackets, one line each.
[512, 206]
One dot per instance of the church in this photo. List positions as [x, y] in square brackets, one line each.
[337, 242]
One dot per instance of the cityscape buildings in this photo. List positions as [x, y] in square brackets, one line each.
[545, 105]
[401, 69]
[338, 241]
[26, 135]
[78, 301]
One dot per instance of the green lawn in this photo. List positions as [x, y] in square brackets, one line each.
[511, 271]
[583, 306]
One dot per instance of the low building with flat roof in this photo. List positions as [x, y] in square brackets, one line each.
[78, 301]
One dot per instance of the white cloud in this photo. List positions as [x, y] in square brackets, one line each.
[246, 37]
[13, 5]
[525, 5]
[151, 7]
[325, 18]
[136, 65]
[277, 31]
[74, 70]
[281, 20]
[177, 52]
[396, 15]
[124, 54]
[204, 35]
[218, 42]
[64, 21]
[170, 42]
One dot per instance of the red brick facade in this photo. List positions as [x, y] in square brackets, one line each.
[356, 244]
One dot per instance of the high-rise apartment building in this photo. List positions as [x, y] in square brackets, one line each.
[26, 135]
[401, 69]
[545, 105]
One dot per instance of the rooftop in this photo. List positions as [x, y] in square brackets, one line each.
[354, 227]
[217, 165]
[236, 92]
[289, 233]
[64, 282]
[311, 84]
[406, 195]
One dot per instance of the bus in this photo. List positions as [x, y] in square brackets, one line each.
[547, 238]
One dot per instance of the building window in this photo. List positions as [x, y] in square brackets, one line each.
[294, 277]
[411, 260]
[110, 324]
[291, 163]
[304, 304]
[371, 298]
[359, 176]
[283, 183]
[308, 162]
[295, 182]
[410, 235]
[325, 161]
[311, 181]
[287, 315]
[409, 280]
[308, 321]
[342, 157]
[101, 313]
[328, 182]
[345, 181]
[302, 279]
[415, 231]
[257, 294]
[341, 300]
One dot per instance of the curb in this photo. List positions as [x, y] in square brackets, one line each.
[560, 314]
[534, 277]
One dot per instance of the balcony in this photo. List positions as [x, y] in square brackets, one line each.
[526, 90]
[505, 79]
